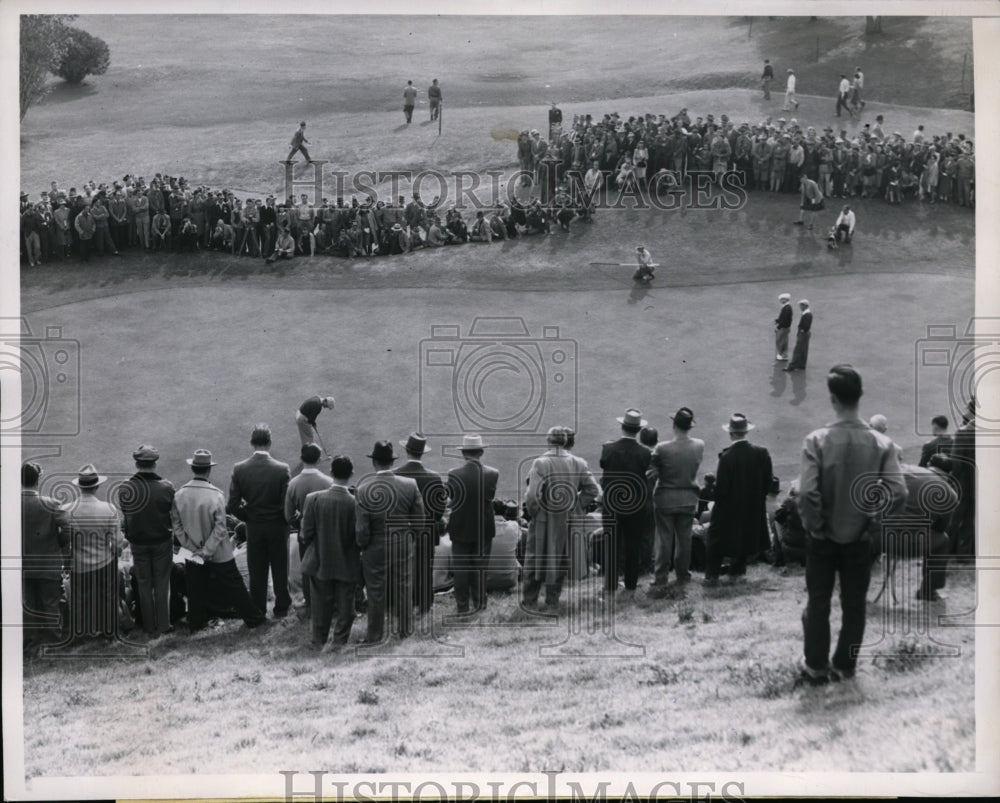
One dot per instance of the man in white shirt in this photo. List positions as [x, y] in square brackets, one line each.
[644, 272]
[790, 92]
[844, 227]
[843, 92]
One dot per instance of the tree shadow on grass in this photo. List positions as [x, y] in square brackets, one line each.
[65, 92]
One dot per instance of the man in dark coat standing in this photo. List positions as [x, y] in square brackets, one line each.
[625, 489]
[389, 510]
[739, 519]
[434, 497]
[801, 353]
[257, 496]
[331, 563]
[471, 488]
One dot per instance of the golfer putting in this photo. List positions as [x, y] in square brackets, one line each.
[305, 420]
[644, 271]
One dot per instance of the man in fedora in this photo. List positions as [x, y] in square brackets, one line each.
[44, 551]
[675, 501]
[471, 526]
[782, 325]
[624, 463]
[308, 480]
[389, 511]
[560, 487]
[739, 518]
[198, 517]
[800, 354]
[331, 563]
[95, 538]
[145, 500]
[257, 496]
[434, 498]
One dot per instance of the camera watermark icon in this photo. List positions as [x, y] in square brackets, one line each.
[49, 368]
[950, 367]
[497, 380]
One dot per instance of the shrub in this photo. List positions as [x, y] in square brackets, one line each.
[84, 55]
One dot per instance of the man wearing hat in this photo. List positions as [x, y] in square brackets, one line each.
[800, 354]
[306, 481]
[675, 501]
[44, 552]
[145, 500]
[198, 517]
[257, 496]
[738, 527]
[299, 143]
[331, 563]
[471, 490]
[624, 463]
[434, 498]
[560, 487]
[96, 541]
[782, 325]
[389, 511]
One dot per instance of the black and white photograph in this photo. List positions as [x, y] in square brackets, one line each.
[539, 400]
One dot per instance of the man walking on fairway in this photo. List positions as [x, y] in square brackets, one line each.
[299, 142]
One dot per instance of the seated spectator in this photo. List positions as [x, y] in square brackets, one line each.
[436, 234]
[222, 236]
[481, 231]
[187, 236]
[789, 534]
[503, 570]
[498, 228]
[537, 219]
[456, 226]
[284, 247]
[706, 496]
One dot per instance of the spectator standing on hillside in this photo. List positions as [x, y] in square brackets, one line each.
[624, 463]
[766, 78]
[145, 500]
[555, 122]
[257, 496]
[675, 500]
[307, 479]
[45, 551]
[790, 99]
[738, 527]
[198, 517]
[409, 101]
[835, 458]
[843, 96]
[434, 98]
[299, 143]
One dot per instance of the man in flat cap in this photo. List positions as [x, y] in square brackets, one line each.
[145, 500]
[738, 527]
[257, 496]
[389, 511]
[471, 526]
[198, 518]
[96, 541]
[434, 497]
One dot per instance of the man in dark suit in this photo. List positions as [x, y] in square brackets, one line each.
[625, 489]
[782, 325]
[45, 550]
[471, 488]
[427, 536]
[309, 479]
[739, 518]
[257, 496]
[389, 511]
[331, 563]
[801, 353]
[941, 442]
